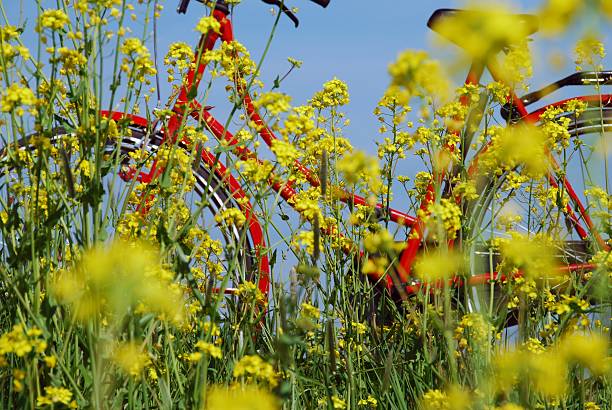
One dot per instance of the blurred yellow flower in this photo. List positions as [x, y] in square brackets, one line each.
[589, 350]
[116, 278]
[130, 358]
[589, 53]
[438, 265]
[534, 256]
[242, 397]
[360, 167]
[414, 74]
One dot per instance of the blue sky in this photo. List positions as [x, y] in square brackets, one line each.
[352, 40]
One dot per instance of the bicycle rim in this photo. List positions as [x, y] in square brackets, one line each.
[237, 261]
[536, 218]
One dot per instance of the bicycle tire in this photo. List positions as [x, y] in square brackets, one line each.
[206, 181]
[489, 296]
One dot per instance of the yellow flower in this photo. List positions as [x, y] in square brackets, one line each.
[116, 278]
[130, 358]
[369, 402]
[309, 311]
[16, 96]
[242, 397]
[305, 238]
[255, 367]
[179, 55]
[231, 216]
[286, 153]
[381, 241]
[52, 19]
[21, 341]
[516, 65]
[415, 74]
[72, 60]
[589, 350]
[50, 361]
[548, 372]
[442, 218]
[334, 93]
[534, 256]
[137, 61]
[515, 146]
[55, 395]
[435, 399]
[307, 204]
[359, 166]
[209, 348]
[483, 29]
[338, 403]
[208, 23]
[589, 52]
[254, 170]
[438, 265]
[249, 291]
[556, 15]
[509, 406]
[275, 103]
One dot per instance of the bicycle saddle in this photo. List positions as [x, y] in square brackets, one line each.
[466, 27]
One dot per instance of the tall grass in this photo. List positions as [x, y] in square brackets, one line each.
[112, 286]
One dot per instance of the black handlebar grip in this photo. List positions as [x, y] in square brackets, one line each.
[182, 7]
[322, 3]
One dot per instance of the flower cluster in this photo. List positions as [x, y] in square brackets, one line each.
[253, 367]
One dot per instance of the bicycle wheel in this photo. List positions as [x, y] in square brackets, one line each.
[230, 257]
[536, 212]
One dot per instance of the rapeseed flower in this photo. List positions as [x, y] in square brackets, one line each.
[414, 74]
[286, 153]
[52, 19]
[137, 60]
[16, 96]
[131, 358]
[334, 94]
[273, 102]
[438, 265]
[533, 255]
[180, 55]
[208, 23]
[240, 397]
[231, 216]
[368, 402]
[589, 52]
[116, 279]
[248, 291]
[358, 167]
[484, 29]
[56, 395]
[305, 239]
[253, 367]
[22, 341]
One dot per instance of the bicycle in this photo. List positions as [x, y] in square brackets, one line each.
[225, 191]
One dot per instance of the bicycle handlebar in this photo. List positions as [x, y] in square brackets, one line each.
[222, 5]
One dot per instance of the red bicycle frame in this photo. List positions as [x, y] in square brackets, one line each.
[184, 105]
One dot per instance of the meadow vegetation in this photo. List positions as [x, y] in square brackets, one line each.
[112, 286]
